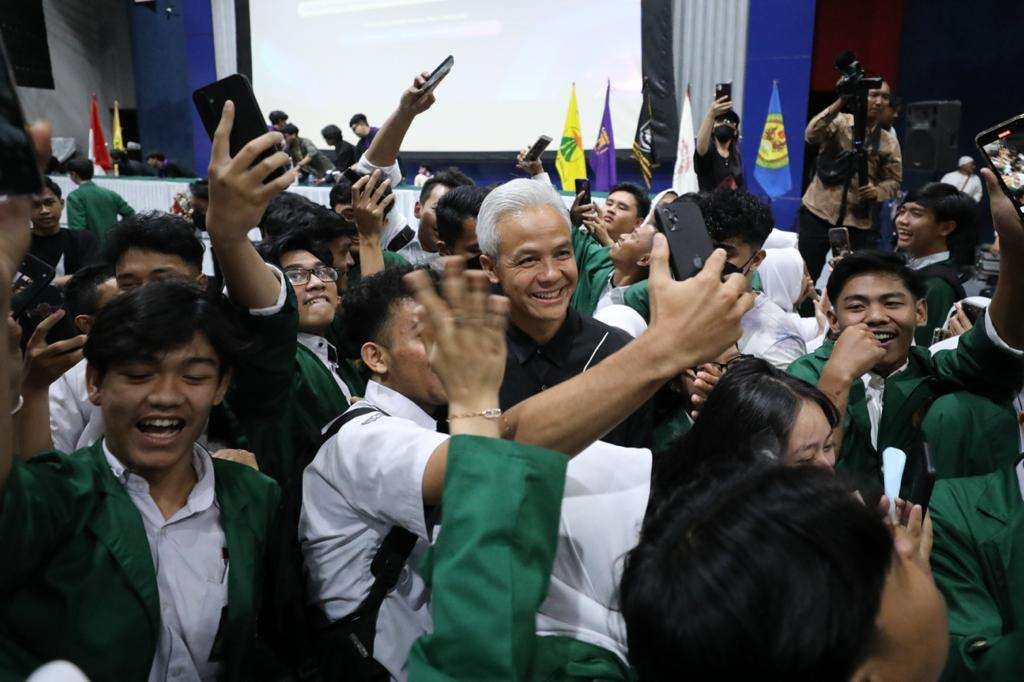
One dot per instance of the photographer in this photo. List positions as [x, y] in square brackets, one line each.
[836, 196]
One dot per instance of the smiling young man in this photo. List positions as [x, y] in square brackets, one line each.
[142, 544]
[928, 220]
[880, 382]
[615, 274]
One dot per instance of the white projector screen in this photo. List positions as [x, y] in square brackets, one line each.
[323, 60]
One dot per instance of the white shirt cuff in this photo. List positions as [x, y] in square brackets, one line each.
[392, 172]
[281, 295]
[993, 336]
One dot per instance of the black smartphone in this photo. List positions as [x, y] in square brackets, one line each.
[723, 90]
[249, 122]
[33, 276]
[921, 478]
[689, 244]
[538, 148]
[583, 185]
[839, 242]
[19, 173]
[1003, 148]
[439, 73]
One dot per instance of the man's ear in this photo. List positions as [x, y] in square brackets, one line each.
[946, 227]
[758, 259]
[83, 323]
[416, 210]
[488, 265]
[375, 357]
[921, 312]
[833, 321]
[443, 249]
[222, 388]
[93, 382]
[645, 260]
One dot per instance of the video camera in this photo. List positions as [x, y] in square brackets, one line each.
[852, 81]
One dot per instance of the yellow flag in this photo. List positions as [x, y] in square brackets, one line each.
[116, 142]
[571, 161]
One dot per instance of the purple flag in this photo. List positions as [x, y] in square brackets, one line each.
[602, 156]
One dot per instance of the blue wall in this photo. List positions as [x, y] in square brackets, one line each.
[780, 34]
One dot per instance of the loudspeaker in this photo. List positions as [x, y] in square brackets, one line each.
[931, 133]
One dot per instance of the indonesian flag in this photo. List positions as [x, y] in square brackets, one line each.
[98, 153]
[684, 177]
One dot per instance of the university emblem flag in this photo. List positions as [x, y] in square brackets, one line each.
[602, 157]
[643, 144]
[772, 168]
[570, 161]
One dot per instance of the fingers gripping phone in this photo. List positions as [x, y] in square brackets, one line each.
[439, 73]
[583, 185]
[1003, 148]
[839, 242]
[538, 148]
[684, 228]
[19, 173]
[34, 275]
[248, 125]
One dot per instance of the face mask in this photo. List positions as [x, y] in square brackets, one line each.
[723, 133]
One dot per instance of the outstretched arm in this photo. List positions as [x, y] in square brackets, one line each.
[1007, 308]
[383, 150]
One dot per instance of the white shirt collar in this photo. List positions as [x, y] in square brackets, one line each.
[1020, 476]
[199, 498]
[872, 380]
[397, 405]
[316, 344]
[925, 261]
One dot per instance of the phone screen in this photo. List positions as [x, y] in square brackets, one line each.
[1003, 147]
[839, 241]
[583, 185]
[19, 173]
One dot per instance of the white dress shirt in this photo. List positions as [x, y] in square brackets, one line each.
[363, 481]
[416, 254]
[75, 423]
[189, 553]
[968, 184]
[925, 261]
[607, 488]
[323, 349]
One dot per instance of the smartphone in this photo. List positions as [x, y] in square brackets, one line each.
[439, 73]
[249, 122]
[689, 244]
[583, 185]
[839, 242]
[538, 148]
[33, 276]
[723, 90]
[972, 311]
[921, 479]
[1003, 148]
[19, 173]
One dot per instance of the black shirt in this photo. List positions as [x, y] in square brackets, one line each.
[344, 155]
[581, 342]
[713, 169]
[77, 247]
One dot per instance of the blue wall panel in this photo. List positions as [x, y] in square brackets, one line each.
[779, 44]
[201, 69]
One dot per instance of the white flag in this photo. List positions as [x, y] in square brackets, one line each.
[684, 178]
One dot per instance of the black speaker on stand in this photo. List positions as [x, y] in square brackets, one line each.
[929, 144]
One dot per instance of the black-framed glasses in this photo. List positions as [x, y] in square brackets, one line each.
[323, 273]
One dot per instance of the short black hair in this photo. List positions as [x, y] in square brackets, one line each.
[294, 240]
[200, 188]
[771, 573]
[873, 262]
[733, 213]
[331, 133]
[289, 129]
[160, 317]
[156, 155]
[290, 211]
[455, 207]
[49, 184]
[747, 418]
[949, 203]
[81, 293]
[155, 231]
[367, 307]
[81, 167]
[449, 177]
[357, 118]
[341, 193]
[276, 116]
[643, 201]
[328, 225]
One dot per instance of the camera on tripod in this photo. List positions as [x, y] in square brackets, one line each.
[852, 81]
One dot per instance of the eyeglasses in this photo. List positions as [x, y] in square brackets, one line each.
[301, 275]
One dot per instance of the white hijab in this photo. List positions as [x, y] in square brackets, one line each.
[782, 276]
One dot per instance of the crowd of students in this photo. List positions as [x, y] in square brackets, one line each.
[504, 444]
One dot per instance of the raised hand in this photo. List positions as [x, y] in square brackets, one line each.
[578, 212]
[531, 168]
[369, 204]
[719, 107]
[415, 100]
[466, 332]
[238, 195]
[694, 320]
[855, 353]
[47, 362]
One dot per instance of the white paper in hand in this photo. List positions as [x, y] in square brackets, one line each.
[893, 462]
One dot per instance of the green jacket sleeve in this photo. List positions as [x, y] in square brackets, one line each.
[76, 211]
[940, 298]
[490, 567]
[979, 649]
[123, 209]
[638, 297]
[806, 368]
[978, 365]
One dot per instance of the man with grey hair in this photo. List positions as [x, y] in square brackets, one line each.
[525, 241]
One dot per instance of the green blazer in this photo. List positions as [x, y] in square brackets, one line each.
[78, 581]
[940, 297]
[95, 208]
[595, 266]
[490, 568]
[977, 365]
[978, 564]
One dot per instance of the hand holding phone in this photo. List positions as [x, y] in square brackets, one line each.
[32, 278]
[537, 149]
[583, 187]
[839, 242]
[1002, 146]
[723, 90]
[438, 74]
[684, 228]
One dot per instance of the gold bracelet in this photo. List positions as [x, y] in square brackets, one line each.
[492, 413]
